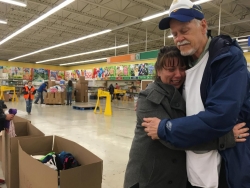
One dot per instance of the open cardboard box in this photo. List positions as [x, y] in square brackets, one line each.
[34, 174]
[3, 152]
[23, 129]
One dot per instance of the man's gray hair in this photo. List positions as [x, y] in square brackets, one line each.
[198, 22]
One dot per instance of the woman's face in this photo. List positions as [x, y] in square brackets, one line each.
[29, 83]
[174, 75]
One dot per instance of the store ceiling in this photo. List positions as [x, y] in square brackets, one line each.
[84, 17]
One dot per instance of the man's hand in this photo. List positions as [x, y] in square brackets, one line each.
[240, 133]
[9, 117]
[151, 127]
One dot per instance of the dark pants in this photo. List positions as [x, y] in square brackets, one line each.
[40, 96]
[69, 97]
[222, 178]
[28, 105]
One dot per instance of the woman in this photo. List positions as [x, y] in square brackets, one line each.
[154, 163]
[29, 92]
[69, 90]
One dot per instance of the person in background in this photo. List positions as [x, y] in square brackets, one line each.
[3, 118]
[69, 90]
[117, 86]
[111, 91]
[40, 91]
[28, 93]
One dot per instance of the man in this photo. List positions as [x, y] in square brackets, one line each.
[40, 92]
[217, 97]
[111, 91]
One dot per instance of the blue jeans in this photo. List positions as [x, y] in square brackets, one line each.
[28, 105]
[69, 97]
[40, 95]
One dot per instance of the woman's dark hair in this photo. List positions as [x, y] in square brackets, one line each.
[70, 84]
[166, 58]
[29, 82]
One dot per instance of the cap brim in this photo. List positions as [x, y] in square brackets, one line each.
[165, 22]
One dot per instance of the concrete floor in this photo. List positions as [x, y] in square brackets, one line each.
[109, 137]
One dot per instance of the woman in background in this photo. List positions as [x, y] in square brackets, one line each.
[69, 90]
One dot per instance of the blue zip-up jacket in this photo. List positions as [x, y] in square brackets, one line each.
[225, 94]
[42, 88]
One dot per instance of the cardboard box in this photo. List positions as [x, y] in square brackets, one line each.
[82, 79]
[60, 101]
[46, 100]
[51, 83]
[51, 95]
[34, 174]
[79, 98]
[23, 129]
[4, 154]
[86, 99]
[58, 95]
[6, 97]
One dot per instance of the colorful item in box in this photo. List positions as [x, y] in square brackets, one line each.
[62, 161]
[56, 88]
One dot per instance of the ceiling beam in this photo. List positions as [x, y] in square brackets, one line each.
[110, 9]
[225, 11]
[153, 5]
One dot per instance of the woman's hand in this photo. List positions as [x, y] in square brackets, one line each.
[240, 133]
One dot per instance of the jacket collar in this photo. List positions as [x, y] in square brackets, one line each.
[158, 91]
[220, 46]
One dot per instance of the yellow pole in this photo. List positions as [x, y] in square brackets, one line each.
[108, 110]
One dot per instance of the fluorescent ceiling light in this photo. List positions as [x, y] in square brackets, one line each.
[243, 40]
[18, 3]
[3, 21]
[84, 53]
[155, 16]
[62, 44]
[245, 51]
[79, 62]
[52, 11]
[170, 36]
[167, 11]
[200, 2]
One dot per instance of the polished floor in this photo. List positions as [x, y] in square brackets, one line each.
[109, 137]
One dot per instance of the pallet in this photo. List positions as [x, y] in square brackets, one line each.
[55, 104]
[84, 107]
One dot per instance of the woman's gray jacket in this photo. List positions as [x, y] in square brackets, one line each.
[154, 163]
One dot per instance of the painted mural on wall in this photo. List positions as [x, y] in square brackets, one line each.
[68, 75]
[41, 74]
[13, 72]
[56, 75]
[88, 74]
[121, 72]
[27, 73]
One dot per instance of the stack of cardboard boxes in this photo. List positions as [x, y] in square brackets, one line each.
[54, 98]
[82, 90]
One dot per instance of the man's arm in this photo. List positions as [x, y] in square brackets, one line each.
[222, 108]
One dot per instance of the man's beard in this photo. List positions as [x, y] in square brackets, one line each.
[189, 52]
[186, 53]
